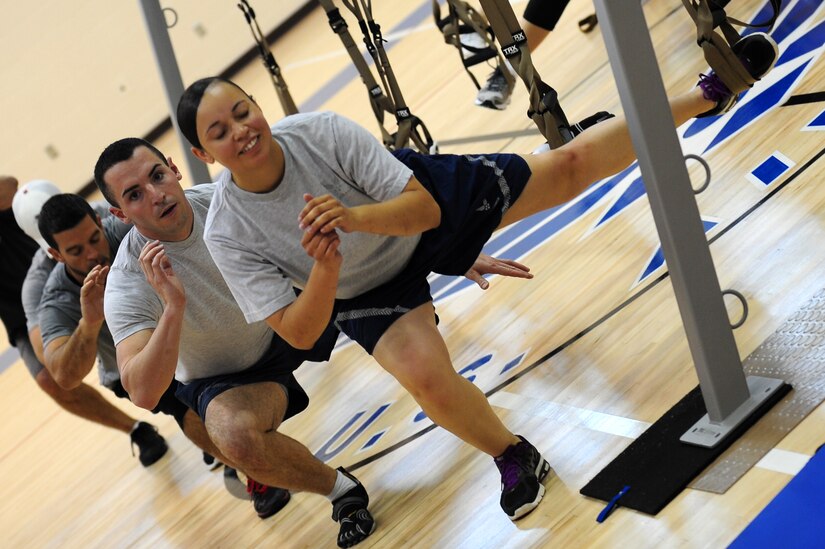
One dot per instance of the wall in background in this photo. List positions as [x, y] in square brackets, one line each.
[77, 75]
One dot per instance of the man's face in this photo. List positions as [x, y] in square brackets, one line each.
[232, 129]
[82, 247]
[150, 196]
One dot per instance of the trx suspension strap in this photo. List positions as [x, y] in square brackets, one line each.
[544, 101]
[268, 59]
[708, 15]
[463, 19]
[410, 127]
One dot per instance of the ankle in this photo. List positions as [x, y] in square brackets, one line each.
[343, 484]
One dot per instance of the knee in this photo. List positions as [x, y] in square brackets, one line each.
[426, 378]
[571, 160]
[242, 446]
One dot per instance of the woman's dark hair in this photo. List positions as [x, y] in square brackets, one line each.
[187, 111]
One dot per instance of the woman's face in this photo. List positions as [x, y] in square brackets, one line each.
[232, 129]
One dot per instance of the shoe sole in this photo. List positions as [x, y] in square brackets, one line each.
[152, 459]
[542, 471]
[773, 45]
[492, 105]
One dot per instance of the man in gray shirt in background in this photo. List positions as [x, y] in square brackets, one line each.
[82, 399]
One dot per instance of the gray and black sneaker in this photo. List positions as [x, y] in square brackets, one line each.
[522, 472]
[350, 511]
[496, 92]
[267, 500]
[758, 53]
[151, 446]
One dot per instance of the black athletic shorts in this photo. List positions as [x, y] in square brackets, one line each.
[473, 193]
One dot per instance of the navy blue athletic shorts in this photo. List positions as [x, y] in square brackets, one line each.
[473, 193]
[277, 365]
[168, 404]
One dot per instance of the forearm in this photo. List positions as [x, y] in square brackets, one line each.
[306, 318]
[146, 375]
[412, 212]
[70, 361]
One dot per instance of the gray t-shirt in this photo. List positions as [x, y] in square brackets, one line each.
[41, 267]
[215, 338]
[60, 311]
[255, 238]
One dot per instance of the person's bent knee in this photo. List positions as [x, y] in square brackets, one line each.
[422, 374]
[242, 446]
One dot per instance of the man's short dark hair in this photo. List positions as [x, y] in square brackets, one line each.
[61, 213]
[119, 151]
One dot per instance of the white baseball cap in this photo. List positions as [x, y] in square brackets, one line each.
[27, 203]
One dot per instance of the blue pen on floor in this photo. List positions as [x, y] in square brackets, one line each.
[611, 505]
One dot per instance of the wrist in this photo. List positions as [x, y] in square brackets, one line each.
[90, 327]
[356, 216]
[174, 308]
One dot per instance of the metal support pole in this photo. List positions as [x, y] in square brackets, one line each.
[729, 396]
[172, 81]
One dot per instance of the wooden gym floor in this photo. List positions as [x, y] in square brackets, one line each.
[580, 360]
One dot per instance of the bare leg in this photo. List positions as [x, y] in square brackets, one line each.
[603, 150]
[413, 351]
[86, 402]
[243, 423]
[535, 34]
[195, 430]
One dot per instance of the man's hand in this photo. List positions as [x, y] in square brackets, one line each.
[91, 295]
[486, 264]
[324, 215]
[159, 273]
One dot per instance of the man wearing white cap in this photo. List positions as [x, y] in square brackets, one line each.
[24, 271]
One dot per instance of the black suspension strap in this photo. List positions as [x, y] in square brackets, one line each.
[710, 15]
[379, 102]
[463, 19]
[382, 99]
[287, 103]
[544, 109]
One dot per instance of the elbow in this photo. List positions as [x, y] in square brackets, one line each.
[65, 379]
[67, 382]
[143, 399]
[302, 342]
[433, 213]
[140, 397]
[295, 336]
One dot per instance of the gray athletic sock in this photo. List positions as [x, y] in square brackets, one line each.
[343, 484]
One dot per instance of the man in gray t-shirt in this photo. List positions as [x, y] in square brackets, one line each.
[61, 311]
[83, 400]
[165, 274]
